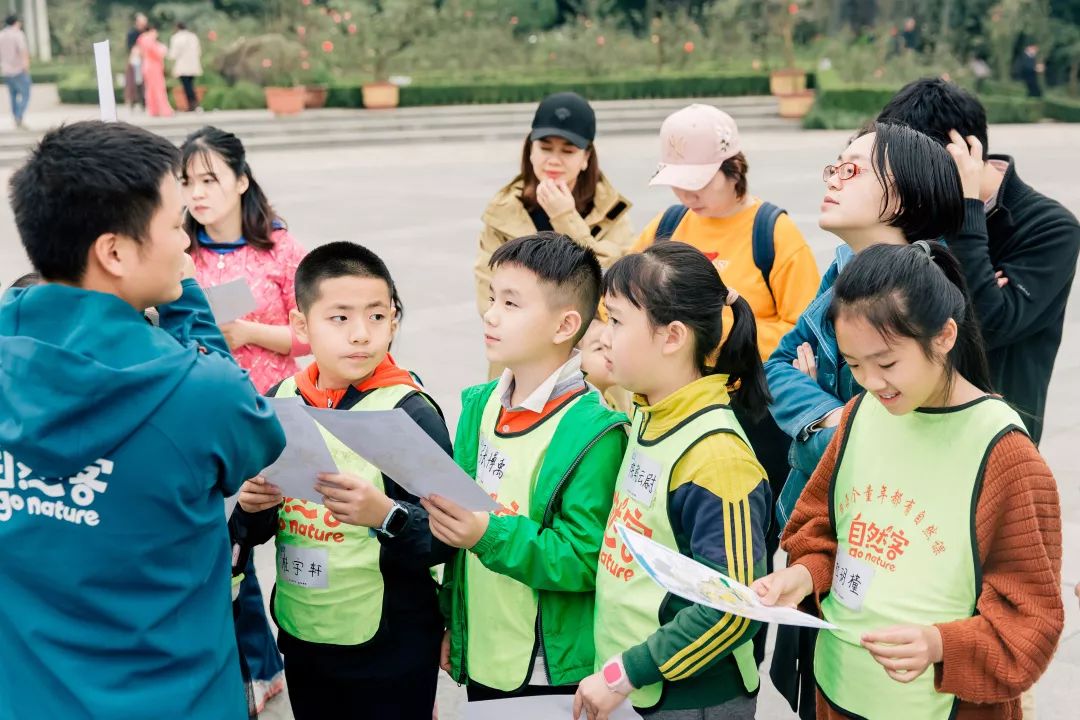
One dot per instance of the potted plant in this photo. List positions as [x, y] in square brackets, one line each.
[788, 79]
[316, 86]
[788, 83]
[381, 31]
[271, 61]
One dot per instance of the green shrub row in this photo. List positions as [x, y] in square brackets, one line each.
[81, 89]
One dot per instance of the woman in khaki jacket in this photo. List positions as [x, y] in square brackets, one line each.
[560, 188]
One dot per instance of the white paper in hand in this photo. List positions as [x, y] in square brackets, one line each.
[230, 301]
[392, 442]
[700, 584]
[305, 454]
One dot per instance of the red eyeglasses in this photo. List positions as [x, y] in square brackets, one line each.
[845, 171]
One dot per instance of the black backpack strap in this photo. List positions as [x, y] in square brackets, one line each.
[762, 239]
[669, 221]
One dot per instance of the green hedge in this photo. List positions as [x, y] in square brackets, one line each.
[1063, 109]
[242, 96]
[1012, 109]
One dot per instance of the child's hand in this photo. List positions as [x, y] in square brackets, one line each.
[905, 651]
[806, 362]
[353, 500]
[967, 153]
[237, 333]
[452, 524]
[444, 652]
[189, 267]
[787, 587]
[596, 698]
[257, 495]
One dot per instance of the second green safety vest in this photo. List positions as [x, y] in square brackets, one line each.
[628, 602]
[903, 505]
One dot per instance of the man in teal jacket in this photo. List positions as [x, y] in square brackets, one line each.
[118, 444]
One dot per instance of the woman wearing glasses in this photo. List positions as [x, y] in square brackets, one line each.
[891, 185]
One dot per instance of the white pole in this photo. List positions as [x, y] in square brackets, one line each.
[106, 93]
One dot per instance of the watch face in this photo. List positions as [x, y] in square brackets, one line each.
[398, 520]
[612, 672]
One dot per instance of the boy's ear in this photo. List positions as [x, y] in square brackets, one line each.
[298, 321]
[569, 326]
[675, 336]
[395, 322]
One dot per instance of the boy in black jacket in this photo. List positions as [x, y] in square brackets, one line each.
[1018, 248]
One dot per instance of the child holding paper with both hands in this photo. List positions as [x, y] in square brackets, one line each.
[357, 610]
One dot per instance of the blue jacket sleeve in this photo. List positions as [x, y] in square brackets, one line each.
[798, 401]
[189, 319]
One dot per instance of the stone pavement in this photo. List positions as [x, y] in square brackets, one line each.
[418, 206]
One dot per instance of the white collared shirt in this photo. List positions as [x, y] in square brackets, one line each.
[563, 380]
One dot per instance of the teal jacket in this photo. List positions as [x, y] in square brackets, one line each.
[119, 443]
[554, 549]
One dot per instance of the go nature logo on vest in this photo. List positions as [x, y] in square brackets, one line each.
[84, 485]
[307, 523]
[884, 525]
[617, 563]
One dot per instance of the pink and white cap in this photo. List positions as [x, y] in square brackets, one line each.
[694, 143]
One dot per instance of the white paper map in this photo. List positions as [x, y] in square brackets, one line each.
[689, 579]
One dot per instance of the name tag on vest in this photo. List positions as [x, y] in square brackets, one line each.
[851, 581]
[491, 468]
[641, 478]
[306, 567]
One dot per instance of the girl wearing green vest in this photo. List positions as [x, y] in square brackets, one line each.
[690, 481]
[355, 601]
[930, 534]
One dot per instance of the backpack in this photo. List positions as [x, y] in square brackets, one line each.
[761, 236]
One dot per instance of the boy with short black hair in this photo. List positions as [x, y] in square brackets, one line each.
[111, 488]
[520, 597]
[1018, 248]
[355, 601]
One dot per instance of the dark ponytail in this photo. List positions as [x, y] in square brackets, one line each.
[258, 218]
[911, 291]
[673, 281]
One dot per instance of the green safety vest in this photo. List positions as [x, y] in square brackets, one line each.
[903, 503]
[628, 601]
[329, 584]
[501, 612]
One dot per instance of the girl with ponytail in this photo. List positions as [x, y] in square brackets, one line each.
[236, 234]
[689, 480]
[930, 532]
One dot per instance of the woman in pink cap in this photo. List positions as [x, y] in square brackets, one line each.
[753, 243]
[560, 187]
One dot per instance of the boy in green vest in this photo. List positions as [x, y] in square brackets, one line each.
[355, 601]
[519, 599]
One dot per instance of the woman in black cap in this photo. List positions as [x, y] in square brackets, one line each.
[560, 188]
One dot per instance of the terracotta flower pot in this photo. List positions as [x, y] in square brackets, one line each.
[315, 96]
[285, 100]
[787, 82]
[796, 105]
[180, 99]
[381, 95]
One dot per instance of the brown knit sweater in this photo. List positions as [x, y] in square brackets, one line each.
[991, 658]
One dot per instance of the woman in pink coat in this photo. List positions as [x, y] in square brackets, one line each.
[153, 54]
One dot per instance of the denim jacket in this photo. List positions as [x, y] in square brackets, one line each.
[798, 400]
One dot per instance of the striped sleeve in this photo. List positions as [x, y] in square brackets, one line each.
[719, 510]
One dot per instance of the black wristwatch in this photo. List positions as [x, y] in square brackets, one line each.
[395, 521]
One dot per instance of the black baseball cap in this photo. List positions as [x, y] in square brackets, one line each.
[566, 115]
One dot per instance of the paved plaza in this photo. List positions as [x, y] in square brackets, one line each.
[419, 206]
